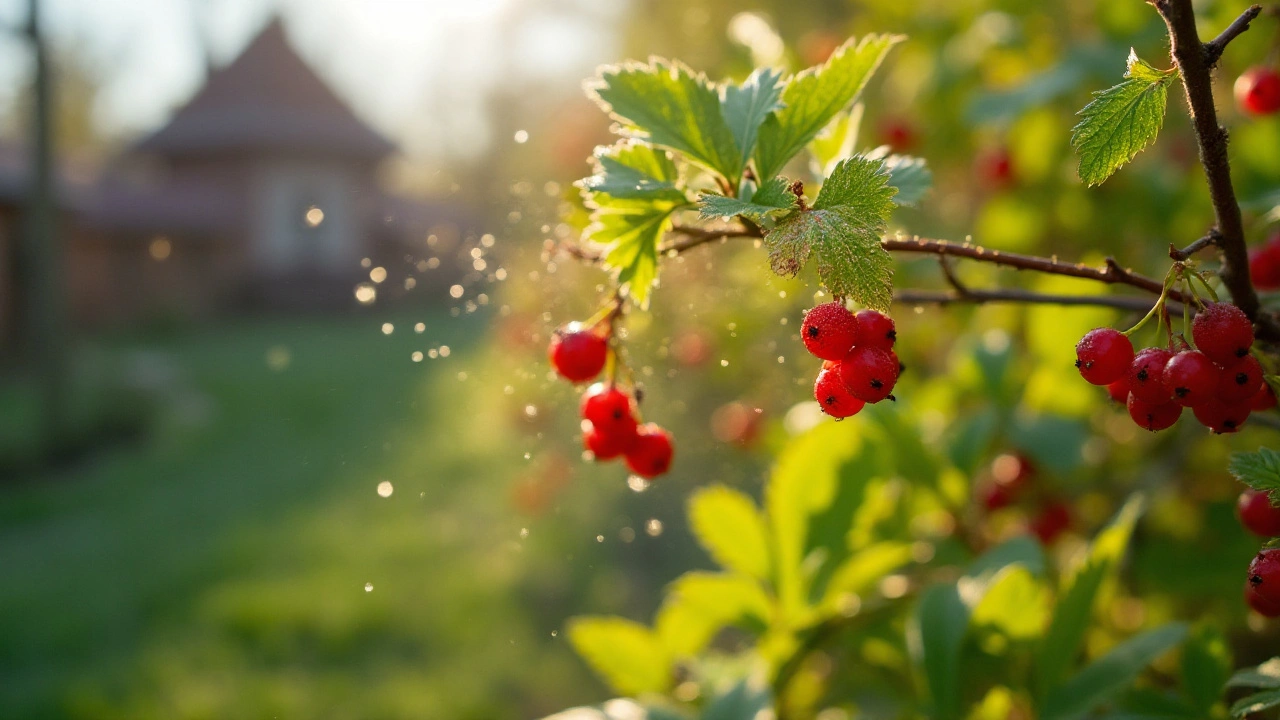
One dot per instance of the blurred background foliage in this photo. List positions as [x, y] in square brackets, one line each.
[236, 559]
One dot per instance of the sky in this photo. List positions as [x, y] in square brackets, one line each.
[417, 70]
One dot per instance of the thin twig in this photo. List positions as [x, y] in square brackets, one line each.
[1213, 49]
[1211, 238]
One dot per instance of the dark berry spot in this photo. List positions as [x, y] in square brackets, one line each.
[1242, 351]
[1142, 375]
[892, 334]
[831, 400]
[813, 331]
[1077, 363]
[1255, 580]
[618, 414]
[876, 384]
[1242, 378]
[892, 398]
[1181, 392]
[1229, 424]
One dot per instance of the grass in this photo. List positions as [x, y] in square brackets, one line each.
[219, 568]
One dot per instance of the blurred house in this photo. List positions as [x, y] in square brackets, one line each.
[261, 191]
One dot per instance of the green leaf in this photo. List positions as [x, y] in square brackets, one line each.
[813, 97]
[730, 528]
[1021, 550]
[1065, 637]
[619, 709]
[744, 701]
[1259, 470]
[1015, 603]
[673, 107]
[1266, 675]
[860, 572]
[943, 621]
[770, 200]
[1120, 121]
[843, 232]
[628, 655]
[631, 169]
[747, 105]
[1110, 674]
[1206, 665]
[803, 484]
[836, 142]
[699, 604]
[912, 177]
[630, 229]
[1255, 703]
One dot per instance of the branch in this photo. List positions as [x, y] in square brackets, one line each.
[979, 297]
[1213, 49]
[1211, 238]
[1192, 59]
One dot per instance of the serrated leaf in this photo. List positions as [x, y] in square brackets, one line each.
[1206, 665]
[812, 98]
[673, 107]
[837, 140]
[746, 106]
[1266, 675]
[912, 177]
[630, 230]
[634, 170]
[1120, 121]
[1255, 703]
[1110, 674]
[697, 605]
[1259, 470]
[628, 655]
[842, 231]
[730, 528]
[769, 201]
[1065, 636]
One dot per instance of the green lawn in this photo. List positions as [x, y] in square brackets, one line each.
[219, 569]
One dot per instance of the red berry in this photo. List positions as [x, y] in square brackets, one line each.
[869, 373]
[996, 496]
[1052, 520]
[1103, 356]
[876, 329]
[650, 455]
[1258, 515]
[829, 330]
[606, 445]
[577, 354]
[836, 400]
[994, 167]
[1264, 399]
[1223, 332]
[1258, 91]
[1153, 416]
[609, 409]
[898, 134]
[1241, 381]
[1192, 377]
[1146, 375]
[1221, 417]
[1264, 582]
[1119, 390]
[1264, 265]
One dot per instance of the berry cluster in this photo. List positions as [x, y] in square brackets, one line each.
[1261, 518]
[1221, 382]
[859, 365]
[610, 427]
[1011, 479]
[1257, 90]
[1264, 264]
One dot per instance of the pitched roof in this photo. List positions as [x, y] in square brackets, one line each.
[267, 99]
